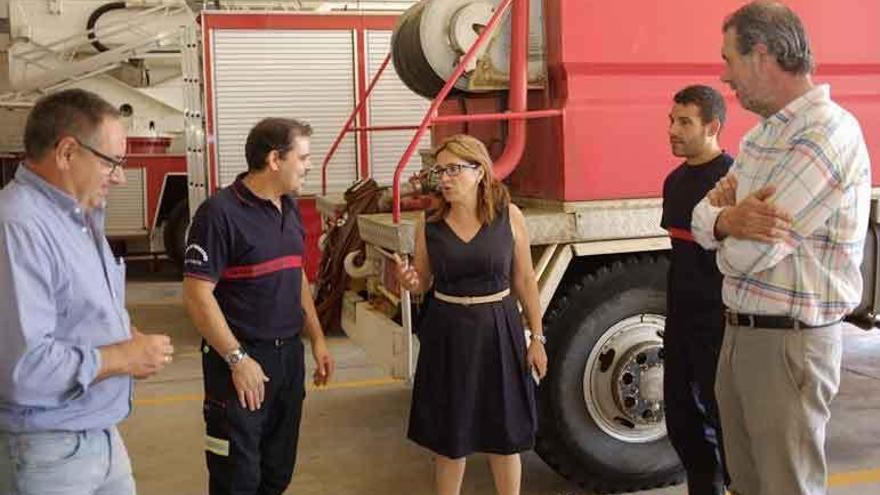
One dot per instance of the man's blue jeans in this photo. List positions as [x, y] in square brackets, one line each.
[92, 462]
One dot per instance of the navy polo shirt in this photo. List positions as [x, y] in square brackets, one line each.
[253, 252]
[693, 274]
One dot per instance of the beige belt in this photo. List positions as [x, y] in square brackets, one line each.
[468, 300]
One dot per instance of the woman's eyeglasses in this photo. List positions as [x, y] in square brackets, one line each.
[452, 169]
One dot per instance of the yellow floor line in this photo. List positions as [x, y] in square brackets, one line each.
[846, 478]
[855, 477]
[170, 399]
[377, 382]
[190, 354]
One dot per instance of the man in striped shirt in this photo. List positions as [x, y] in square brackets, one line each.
[788, 223]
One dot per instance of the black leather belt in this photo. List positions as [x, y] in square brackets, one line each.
[278, 342]
[769, 321]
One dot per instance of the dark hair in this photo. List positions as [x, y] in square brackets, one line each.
[776, 26]
[272, 134]
[707, 99]
[73, 112]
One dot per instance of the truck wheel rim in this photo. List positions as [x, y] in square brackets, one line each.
[623, 380]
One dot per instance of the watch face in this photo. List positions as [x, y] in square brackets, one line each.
[235, 356]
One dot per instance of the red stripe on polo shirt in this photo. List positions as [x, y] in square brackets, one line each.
[681, 234]
[264, 268]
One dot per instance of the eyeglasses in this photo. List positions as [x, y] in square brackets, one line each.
[451, 169]
[110, 162]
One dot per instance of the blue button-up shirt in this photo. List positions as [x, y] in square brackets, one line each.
[61, 298]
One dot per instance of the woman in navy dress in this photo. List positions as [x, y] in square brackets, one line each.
[474, 389]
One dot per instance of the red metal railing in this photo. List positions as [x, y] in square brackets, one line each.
[517, 94]
[347, 127]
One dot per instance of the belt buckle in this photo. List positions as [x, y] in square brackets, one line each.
[734, 319]
[750, 320]
[278, 342]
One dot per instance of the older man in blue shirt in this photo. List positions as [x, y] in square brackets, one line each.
[69, 351]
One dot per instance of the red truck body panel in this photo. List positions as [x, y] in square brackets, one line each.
[615, 66]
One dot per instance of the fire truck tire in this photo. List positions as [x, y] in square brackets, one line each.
[174, 233]
[614, 312]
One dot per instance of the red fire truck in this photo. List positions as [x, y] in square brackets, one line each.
[572, 98]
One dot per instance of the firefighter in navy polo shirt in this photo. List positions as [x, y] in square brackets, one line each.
[695, 312]
[246, 292]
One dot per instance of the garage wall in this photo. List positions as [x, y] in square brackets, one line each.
[302, 74]
[392, 103]
[314, 68]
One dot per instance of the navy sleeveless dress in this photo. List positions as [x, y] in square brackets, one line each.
[473, 391]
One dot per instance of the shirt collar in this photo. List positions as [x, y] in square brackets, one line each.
[28, 177]
[821, 92]
[244, 194]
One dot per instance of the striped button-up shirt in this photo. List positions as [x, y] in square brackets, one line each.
[814, 153]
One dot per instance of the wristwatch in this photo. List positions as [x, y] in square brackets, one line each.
[540, 337]
[234, 356]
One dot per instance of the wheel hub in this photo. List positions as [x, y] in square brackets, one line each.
[623, 380]
[639, 379]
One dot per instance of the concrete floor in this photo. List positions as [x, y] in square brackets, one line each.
[353, 433]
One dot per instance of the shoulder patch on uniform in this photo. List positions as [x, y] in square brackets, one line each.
[198, 252]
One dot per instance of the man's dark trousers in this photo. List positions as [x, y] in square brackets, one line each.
[692, 342]
[254, 453]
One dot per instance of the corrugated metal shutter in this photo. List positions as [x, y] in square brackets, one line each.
[12, 130]
[126, 206]
[391, 103]
[303, 74]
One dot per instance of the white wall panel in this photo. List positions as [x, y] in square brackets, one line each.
[126, 204]
[302, 74]
[392, 103]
